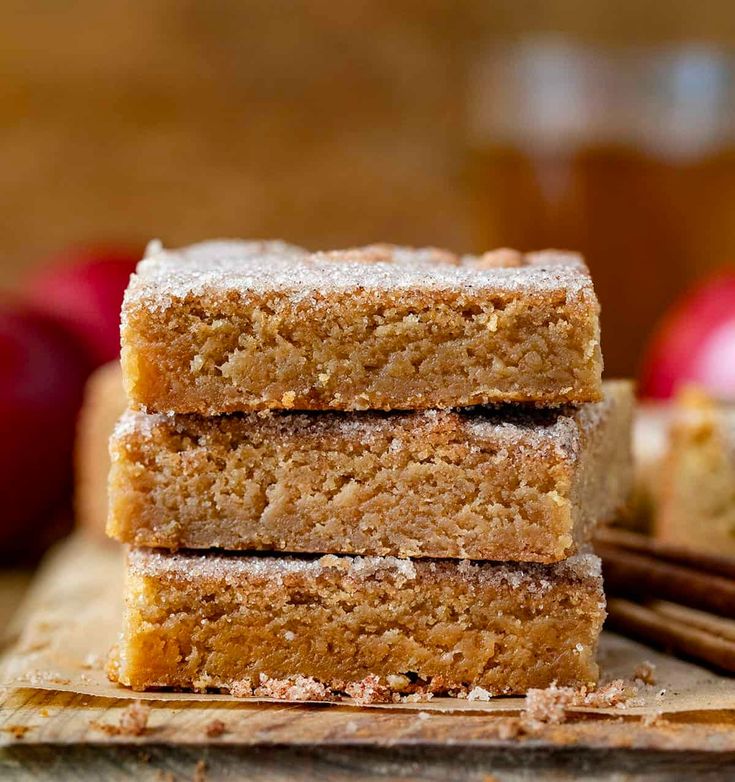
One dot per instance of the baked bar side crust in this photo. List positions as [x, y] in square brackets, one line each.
[493, 484]
[209, 347]
[216, 622]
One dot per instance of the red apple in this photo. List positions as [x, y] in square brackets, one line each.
[695, 343]
[82, 290]
[42, 373]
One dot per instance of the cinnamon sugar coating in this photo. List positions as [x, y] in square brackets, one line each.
[336, 623]
[501, 484]
[242, 326]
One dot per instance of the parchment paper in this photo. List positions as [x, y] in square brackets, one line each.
[62, 632]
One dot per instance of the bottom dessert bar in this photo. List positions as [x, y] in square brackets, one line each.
[309, 629]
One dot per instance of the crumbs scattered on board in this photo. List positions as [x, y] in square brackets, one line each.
[17, 731]
[215, 729]
[133, 721]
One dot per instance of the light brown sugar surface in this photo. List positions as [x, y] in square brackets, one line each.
[335, 624]
[241, 326]
[499, 484]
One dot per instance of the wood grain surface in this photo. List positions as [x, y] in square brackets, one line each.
[59, 736]
[63, 735]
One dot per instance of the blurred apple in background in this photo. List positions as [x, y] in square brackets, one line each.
[64, 324]
[82, 290]
[695, 343]
[42, 374]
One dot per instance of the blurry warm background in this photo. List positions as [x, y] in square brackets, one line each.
[607, 127]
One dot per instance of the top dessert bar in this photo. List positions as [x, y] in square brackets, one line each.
[229, 326]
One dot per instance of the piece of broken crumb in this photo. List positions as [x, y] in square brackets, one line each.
[415, 697]
[478, 694]
[614, 693]
[215, 728]
[368, 691]
[645, 673]
[550, 705]
[133, 721]
[242, 688]
[17, 731]
[37, 678]
[298, 688]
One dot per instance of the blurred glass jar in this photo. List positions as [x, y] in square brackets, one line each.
[624, 153]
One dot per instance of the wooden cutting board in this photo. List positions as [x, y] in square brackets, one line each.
[66, 735]
[56, 735]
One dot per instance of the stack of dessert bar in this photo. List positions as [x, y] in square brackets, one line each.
[372, 471]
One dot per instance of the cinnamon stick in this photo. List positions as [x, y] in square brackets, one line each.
[632, 574]
[715, 625]
[682, 555]
[649, 625]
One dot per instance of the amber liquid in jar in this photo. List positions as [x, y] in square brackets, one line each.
[641, 178]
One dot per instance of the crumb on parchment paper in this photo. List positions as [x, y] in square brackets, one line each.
[133, 721]
[215, 728]
[645, 673]
[369, 690]
[17, 731]
[549, 706]
[298, 688]
[478, 694]
[420, 696]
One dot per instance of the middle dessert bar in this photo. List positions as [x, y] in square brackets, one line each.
[500, 484]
